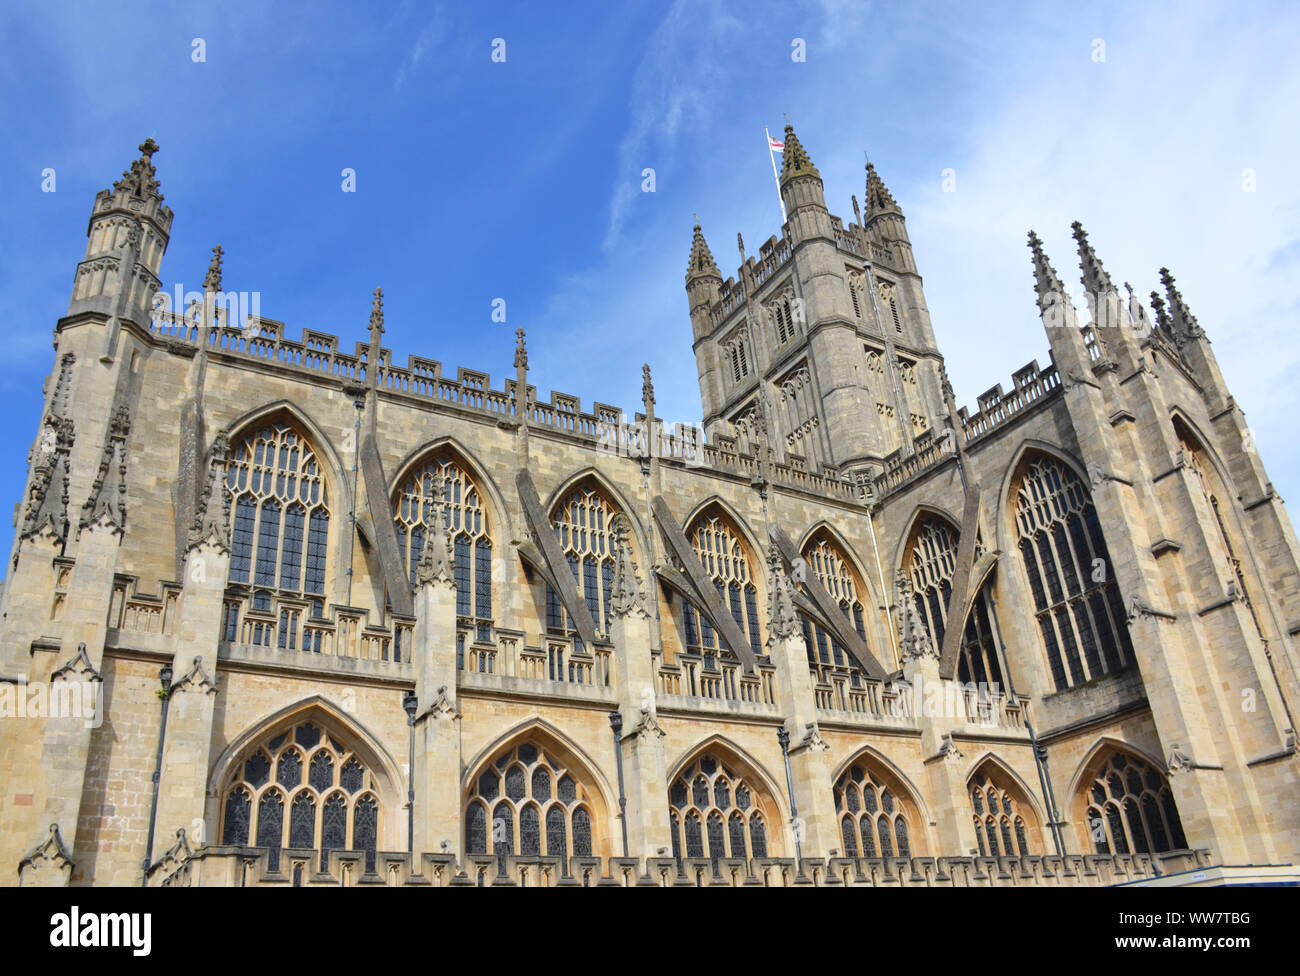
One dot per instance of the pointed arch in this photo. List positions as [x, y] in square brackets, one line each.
[498, 511]
[725, 508]
[286, 493]
[848, 552]
[830, 562]
[722, 803]
[1123, 803]
[1179, 417]
[542, 754]
[307, 775]
[582, 511]
[1006, 507]
[904, 782]
[869, 789]
[920, 513]
[1066, 568]
[1008, 819]
[627, 506]
[339, 484]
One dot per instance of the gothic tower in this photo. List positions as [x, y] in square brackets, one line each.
[822, 348]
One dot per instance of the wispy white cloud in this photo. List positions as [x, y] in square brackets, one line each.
[430, 36]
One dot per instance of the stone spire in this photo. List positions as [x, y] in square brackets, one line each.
[212, 280]
[521, 350]
[212, 518]
[913, 638]
[782, 621]
[1095, 279]
[625, 594]
[1182, 322]
[878, 199]
[795, 161]
[141, 179]
[701, 264]
[1046, 281]
[435, 565]
[107, 502]
[647, 388]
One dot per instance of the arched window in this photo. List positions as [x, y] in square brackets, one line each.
[302, 788]
[583, 522]
[1212, 490]
[527, 802]
[467, 525]
[824, 559]
[782, 312]
[715, 813]
[1000, 826]
[1078, 605]
[872, 820]
[1131, 808]
[726, 563]
[279, 512]
[931, 563]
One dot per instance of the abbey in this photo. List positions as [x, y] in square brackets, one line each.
[396, 625]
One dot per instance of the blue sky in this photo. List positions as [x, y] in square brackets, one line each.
[522, 180]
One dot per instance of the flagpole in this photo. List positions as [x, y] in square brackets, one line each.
[775, 176]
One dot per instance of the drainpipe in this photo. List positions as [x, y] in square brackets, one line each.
[783, 737]
[616, 724]
[165, 679]
[1040, 751]
[409, 705]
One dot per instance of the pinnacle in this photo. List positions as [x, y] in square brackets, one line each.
[140, 178]
[377, 314]
[701, 262]
[878, 198]
[521, 350]
[1183, 321]
[1046, 280]
[212, 281]
[1095, 279]
[795, 161]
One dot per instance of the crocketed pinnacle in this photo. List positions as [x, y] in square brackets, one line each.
[701, 264]
[1095, 279]
[795, 161]
[1182, 320]
[212, 280]
[647, 388]
[1046, 280]
[377, 316]
[879, 199]
[521, 350]
[140, 179]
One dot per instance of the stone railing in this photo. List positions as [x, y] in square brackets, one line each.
[930, 451]
[298, 625]
[560, 661]
[840, 689]
[308, 868]
[772, 256]
[717, 679]
[997, 408]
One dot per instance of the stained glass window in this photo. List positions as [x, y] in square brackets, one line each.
[709, 792]
[999, 823]
[1077, 602]
[275, 482]
[727, 564]
[868, 810]
[584, 524]
[542, 807]
[339, 790]
[1150, 821]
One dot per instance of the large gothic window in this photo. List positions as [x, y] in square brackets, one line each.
[715, 813]
[1131, 808]
[1076, 601]
[303, 789]
[931, 564]
[583, 522]
[824, 559]
[279, 512]
[527, 802]
[1001, 828]
[872, 819]
[467, 525]
[726, 563]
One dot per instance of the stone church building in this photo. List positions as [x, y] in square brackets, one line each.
[334, 620]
